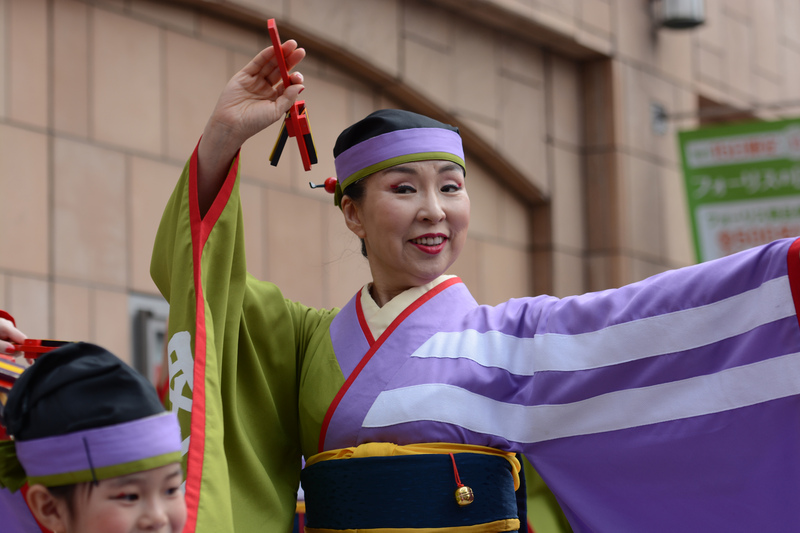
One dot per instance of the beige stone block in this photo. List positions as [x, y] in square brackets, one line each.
[514, 219]
[644, 268]
[196, 73]
[568, 274]
[372, 28]
[595, 40]
[641, 91]
[150, 186]
[426, 22]
[766, 37]
[116, 5]
[28, 301]
[678, 245]
[474, 52]
[170, 16]
[768, 92]
[72, 312]
[686, 108]
[709, 66]
[428, 70]
[112, 323]
[569, 222]
[567, 108]
[295, 234]
[71, 68]
[790, 89]
[642, 213]
[90, 238]
[737, 65]
[608, 271]
[521, 61]
[505, 273]
[634, 29]
[639, 39]
[710, 33]
[221, 32]
[788, 22]
[484, 194]
[487, 130]
[603, 201]
[3, 57]
[25, 216]
[673, 55]
[345, 269]
[361, 101]
[521, 138]
[596, 14]
[255, 154]
[638, 94]
[542, 267]
[255, 233]
[565, 11]
[126, 82]
[324, 18]
[542, 226]
[739, 9]
[27, 81]
[601, 104]
[272, 8]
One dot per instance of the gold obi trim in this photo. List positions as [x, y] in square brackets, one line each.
[387, 449]
[511, 524]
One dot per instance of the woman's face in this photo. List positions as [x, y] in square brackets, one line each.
[145, 501]
[413, 218]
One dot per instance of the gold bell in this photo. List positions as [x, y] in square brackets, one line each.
[464, 495]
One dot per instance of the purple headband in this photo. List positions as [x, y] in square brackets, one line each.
[396, 147]
[104, 452]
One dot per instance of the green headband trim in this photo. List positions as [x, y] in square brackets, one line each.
[12, 475]
[399, 160]
[106, 472]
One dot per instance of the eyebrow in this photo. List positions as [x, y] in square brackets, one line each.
[449, 166]
[124, 480]
[137, 477]
[402, 169]
[405, 169]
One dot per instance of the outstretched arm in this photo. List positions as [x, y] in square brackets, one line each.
[251, 101]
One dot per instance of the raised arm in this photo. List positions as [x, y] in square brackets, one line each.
[252, 100]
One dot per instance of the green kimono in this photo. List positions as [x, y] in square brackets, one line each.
[241, 410]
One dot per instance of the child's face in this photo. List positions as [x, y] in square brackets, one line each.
[145, 501]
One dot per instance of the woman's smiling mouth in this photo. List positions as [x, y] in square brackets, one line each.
[431, 244]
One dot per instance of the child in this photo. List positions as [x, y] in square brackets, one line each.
[96, 451]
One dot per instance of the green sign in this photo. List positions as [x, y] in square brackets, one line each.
[742, 185]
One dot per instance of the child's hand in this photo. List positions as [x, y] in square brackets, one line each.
[8, 334]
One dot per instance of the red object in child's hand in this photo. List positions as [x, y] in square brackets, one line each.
[33, 348]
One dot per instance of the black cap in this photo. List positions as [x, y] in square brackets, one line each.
[384, 121]
[77, 387]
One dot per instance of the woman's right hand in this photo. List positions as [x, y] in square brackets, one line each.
[251, 101]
